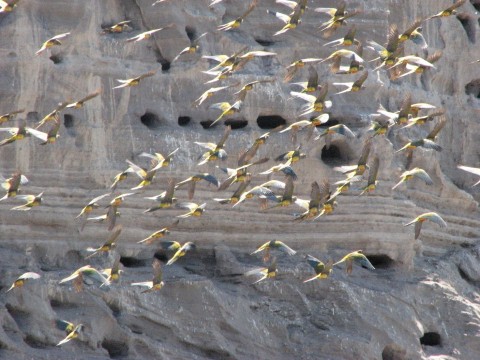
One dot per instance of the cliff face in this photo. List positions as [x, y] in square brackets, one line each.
[422, 301]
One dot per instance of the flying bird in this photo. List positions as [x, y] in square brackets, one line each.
[133, 81]
[79, 104]
[238, 21]
[354, 86]
[274, 244]
[314, 103]
[291, 21]
[7, 117]
[20, 133]
[147, 34]
[296, 65]
[355, 257]
[113, 273]
[12, 184]
[116, 28]
[85, 274]
[265, 272]
[347, 40]
[107, 245]
[340, 129]
[159, 160]
[6, 7]
[22, 279]
[31, 201]
[192, 180]
[72, 330]
[322, 270]
[215, 151]
[419, 220]
[451, 10]
[166, 198]
[191, 49]
[157, 282]
[372, 176]
[54, 41]
[181, 250]
[194, 209]
[410, 174]
[159, 234]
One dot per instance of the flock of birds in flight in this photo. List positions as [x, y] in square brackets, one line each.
[323, 199]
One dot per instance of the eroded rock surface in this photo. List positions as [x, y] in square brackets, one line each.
[422, 301]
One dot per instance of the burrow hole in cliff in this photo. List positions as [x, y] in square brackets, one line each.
[206, 124]
[393, 352]
[381, 261]
[131, 262]
[191, 32]
[33, 116]
[338, 153]
[236, 123]
[69, 123]
[56, 59]
[264, 42]
[469, 23]
[151, 120]
[270, 121]
[34, 343]
[116, 349]
[473, 88]
[184, 120]
[431, 339]
[476, 4]
[165, 63]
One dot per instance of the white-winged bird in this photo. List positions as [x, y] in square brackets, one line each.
[419, 220]
[322, 270]
[85, 274]
[157, 282]
[181, 251]
[22, 279]
[359, 258]
[109, 244]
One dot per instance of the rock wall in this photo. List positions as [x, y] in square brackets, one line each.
[420, 302]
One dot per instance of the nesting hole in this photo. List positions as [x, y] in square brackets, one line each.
[68, 121]
[468, 22]
[431, 339]
[131, 262]
[184, 120]
[33, 116]
[264, 42]
[473, 88]
[34, 343]
[393, 352]
[236, 123]
[165, 64]
[56, 59]
[476, 4]
[206, 124]
[332, 155]
[270, 121]
[191, 32]
[381, 261]
[116, 349]
[150, 120]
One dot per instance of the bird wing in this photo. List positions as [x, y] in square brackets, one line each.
[141, 173]
[114, 235]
